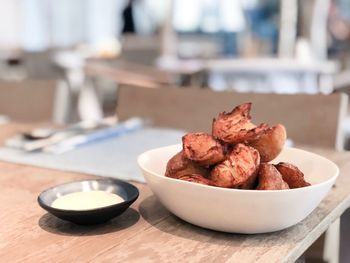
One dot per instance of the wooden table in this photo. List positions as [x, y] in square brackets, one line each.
[128, 73]
[147, 76]
[146, 232]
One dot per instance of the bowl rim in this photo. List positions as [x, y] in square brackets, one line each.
[255, 191]
[119, 182]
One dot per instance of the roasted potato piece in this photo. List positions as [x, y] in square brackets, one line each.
[179, 165]
[195, 178]
[202, 148]
[270, 143]
[239, 170]
[236, 126]
[292, 175]
[269, 178]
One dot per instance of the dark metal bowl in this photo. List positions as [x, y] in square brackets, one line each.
[93, 216]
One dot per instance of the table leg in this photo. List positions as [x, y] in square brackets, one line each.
[326, 84]
[65, 104]
[331, 243]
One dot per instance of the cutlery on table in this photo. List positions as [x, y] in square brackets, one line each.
[74, 142]
[42, 137]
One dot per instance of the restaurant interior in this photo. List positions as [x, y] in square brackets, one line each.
[93, 92]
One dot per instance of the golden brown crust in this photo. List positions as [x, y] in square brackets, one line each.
[236, 155]
[239, 170]
[292, 175]
[179, 165]
[202, 148]
[270, 143]
[236, 126]
[270, 179]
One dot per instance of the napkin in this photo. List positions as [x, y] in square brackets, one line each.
[114, 157]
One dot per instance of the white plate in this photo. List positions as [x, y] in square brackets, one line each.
[240, 211]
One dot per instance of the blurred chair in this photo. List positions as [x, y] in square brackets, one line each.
[39, 65]
[342, 84]
[134, 65]
[129, 73]
[140, 49]
[309, 119]
[28, 101]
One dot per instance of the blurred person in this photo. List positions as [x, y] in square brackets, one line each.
[65, 23]
[128, 18]
[339, 25]
[261, 19]
[149, 15]
[222, 17]
[142, 16]
[231, 21]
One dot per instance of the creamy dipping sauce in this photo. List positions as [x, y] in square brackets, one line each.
[86, 200]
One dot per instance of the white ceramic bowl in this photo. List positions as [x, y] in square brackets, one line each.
[240, 211]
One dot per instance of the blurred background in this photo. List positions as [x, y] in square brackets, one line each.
[64, 60]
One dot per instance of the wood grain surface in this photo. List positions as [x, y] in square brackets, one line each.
[27, 100]
[146, 232]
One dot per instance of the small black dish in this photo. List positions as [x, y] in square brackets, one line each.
[93, 216]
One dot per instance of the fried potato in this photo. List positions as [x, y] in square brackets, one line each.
[236, 155]
[292, 175]
[202, 148]
[179, 165]
[270, 143]
[195, 178]
[236, 126]
[270, 179]
[239, 170]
